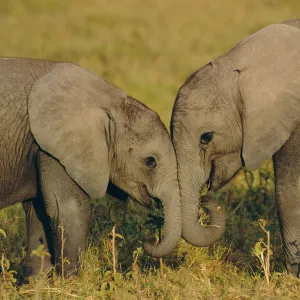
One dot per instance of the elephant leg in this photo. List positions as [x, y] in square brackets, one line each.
[68, 208]
[288, 204]
[289, 219]
[38, 233]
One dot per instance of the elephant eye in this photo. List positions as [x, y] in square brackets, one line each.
[206, 137]
[150, 162]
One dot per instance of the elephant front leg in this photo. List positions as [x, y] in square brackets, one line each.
[287, 190]
[38, 233]
[68, 208]
[289, 219]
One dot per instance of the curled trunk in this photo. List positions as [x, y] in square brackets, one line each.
[172, 225]
[192, 231]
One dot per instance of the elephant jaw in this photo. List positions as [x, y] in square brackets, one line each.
[144, 198]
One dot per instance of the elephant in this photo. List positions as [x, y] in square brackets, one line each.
[240, 110]
[68, 136]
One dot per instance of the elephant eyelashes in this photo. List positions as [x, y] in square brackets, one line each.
[150, 162]
[206, 137]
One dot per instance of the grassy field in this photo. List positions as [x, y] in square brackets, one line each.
[148, 48]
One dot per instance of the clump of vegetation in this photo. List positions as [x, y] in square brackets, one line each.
[263, 252]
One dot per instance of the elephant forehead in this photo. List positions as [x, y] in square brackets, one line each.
[205, 107]
[160, 145]
[141, 123]
[206, 110]
[148, 137]
[194, 123]
[206, 96]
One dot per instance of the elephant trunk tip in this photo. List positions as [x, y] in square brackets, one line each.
[161, 249]
[149, 249]
[199, 236]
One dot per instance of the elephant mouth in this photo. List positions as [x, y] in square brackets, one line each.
[214, 182]
[143, 197]
[217, 180]
[148, 200]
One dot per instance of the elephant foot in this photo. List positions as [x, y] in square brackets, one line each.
[68, 271]
[33, 268]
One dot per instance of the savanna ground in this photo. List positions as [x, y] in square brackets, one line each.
[148, 48]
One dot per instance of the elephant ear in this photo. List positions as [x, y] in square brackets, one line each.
[67, 119]
[270, 89]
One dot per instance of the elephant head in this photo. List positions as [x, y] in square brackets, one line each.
[237, 110]
[101, 135]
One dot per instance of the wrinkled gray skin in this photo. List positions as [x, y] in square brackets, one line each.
[65, 135]
[250, 99]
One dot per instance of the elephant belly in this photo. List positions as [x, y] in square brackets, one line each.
[17, 186]
[26, 189]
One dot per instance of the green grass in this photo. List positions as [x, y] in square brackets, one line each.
[148, 48]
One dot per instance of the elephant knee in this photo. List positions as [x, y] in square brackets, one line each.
[75, 206]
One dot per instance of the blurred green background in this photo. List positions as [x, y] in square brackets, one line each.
[148, 48]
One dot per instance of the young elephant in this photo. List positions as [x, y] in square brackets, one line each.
[65, 135]
[241, 109]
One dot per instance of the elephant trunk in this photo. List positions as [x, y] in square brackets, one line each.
[192, 231]
[172, 223]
